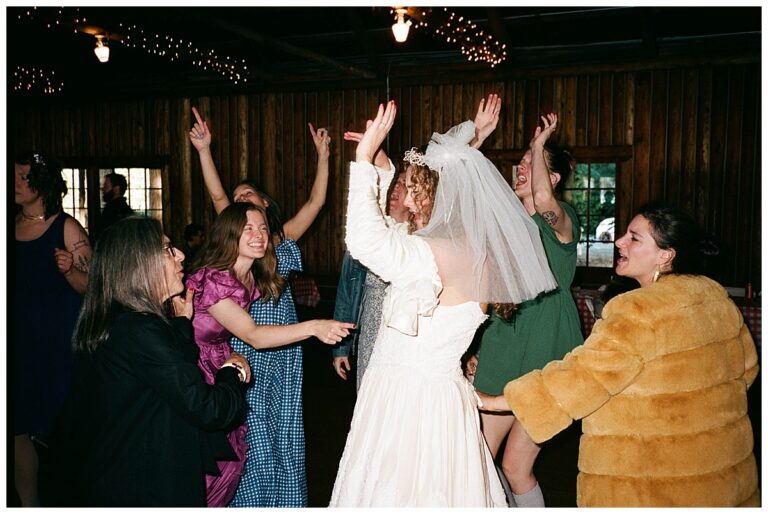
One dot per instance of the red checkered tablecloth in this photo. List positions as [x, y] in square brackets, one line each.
[305, 291]
[753, 317]
[587, 318]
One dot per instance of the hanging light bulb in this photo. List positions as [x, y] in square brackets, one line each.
[101, 50]
[400, 29]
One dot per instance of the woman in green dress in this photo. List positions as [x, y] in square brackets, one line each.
[543, 329]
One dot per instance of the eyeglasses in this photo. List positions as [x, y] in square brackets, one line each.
[168, 247]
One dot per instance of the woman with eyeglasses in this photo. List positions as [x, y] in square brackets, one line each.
[51, 253]
[142, 426]
[236, 267]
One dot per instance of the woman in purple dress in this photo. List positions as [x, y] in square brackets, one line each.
[234, 268]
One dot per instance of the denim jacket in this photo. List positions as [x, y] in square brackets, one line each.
[349, 295]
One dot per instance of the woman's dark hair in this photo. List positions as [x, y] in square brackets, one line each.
[221, 249]
[695, 253]
[45, 179]
[392, 187]
[127, 272]
[560, 161]
[274, 214]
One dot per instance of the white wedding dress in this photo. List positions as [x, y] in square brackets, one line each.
[415, 438]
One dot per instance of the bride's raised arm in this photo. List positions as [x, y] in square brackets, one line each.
[385, 250]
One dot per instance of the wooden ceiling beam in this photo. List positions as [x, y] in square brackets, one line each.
[277, 44]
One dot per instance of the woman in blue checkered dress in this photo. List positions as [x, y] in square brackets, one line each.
[274, 473]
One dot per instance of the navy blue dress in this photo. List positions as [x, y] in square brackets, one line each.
[44, 313]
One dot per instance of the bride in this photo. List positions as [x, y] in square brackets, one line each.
[415, 439]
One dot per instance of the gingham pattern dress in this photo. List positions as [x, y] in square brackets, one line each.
[275, 473]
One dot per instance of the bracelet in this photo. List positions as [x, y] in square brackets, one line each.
[238, 367]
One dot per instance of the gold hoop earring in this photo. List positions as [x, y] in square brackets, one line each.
[657, 273]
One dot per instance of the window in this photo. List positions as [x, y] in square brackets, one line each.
[593, 195]
[75, 202]
[145, 189]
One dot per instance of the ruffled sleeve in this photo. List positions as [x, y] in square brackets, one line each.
[211, 286]
[405, 261]
[288, 257]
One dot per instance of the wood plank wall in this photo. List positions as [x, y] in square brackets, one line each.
[694, 133]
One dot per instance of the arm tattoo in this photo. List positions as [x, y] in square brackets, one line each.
[550, 217]
[82, 264]
[80, 244]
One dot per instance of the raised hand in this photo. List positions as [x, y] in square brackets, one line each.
[380, 159]
[376, 132]
[486, 119]
[200, 136]
[330, 331]
[322, 141]
[182, 305]
[542, 135]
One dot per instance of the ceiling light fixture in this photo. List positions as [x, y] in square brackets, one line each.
[101, 50]
[401, 27]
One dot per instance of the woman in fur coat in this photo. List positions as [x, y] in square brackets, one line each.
[661, 383]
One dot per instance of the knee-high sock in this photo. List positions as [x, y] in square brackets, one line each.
[532, 498]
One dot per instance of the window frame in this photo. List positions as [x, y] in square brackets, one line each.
[93, 180]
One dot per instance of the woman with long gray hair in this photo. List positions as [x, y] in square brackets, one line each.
[142, 426]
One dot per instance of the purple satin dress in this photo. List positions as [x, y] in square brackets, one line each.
[211, 286]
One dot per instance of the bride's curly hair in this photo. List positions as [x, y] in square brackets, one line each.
[424, 181]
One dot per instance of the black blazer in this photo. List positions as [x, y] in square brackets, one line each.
[141, 426]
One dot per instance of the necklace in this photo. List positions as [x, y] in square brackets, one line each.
[32, 218]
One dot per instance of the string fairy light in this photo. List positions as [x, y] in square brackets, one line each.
[475, 44]
[32, 79]
[166, 46]
[176, 49]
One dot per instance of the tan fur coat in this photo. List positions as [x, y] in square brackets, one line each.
[661, 386]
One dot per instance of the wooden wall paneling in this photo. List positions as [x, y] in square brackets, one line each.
[496, 140]
[233, 138]
[425, 107]
[625, 111]
[595, 105]
[468, 104]
[182, 202]
[243, 118]
[658, 174]
[642, 146]
[732, 171]
[344, 153]
[532, 106]
[455, 104]
[675, 129]
[710, 192]
[689, 130]
[703, 149]
[335, 205]
[546, 103]
[253, 136]
[202, 206]
[748, 262]
[437, 111]
[308, 110]
[605, 100]
[518, 119]
[269, 142]
[581, 111]
[332, 240]
[504, 136]
[303, 168]
[568, 134]
[619, 108]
